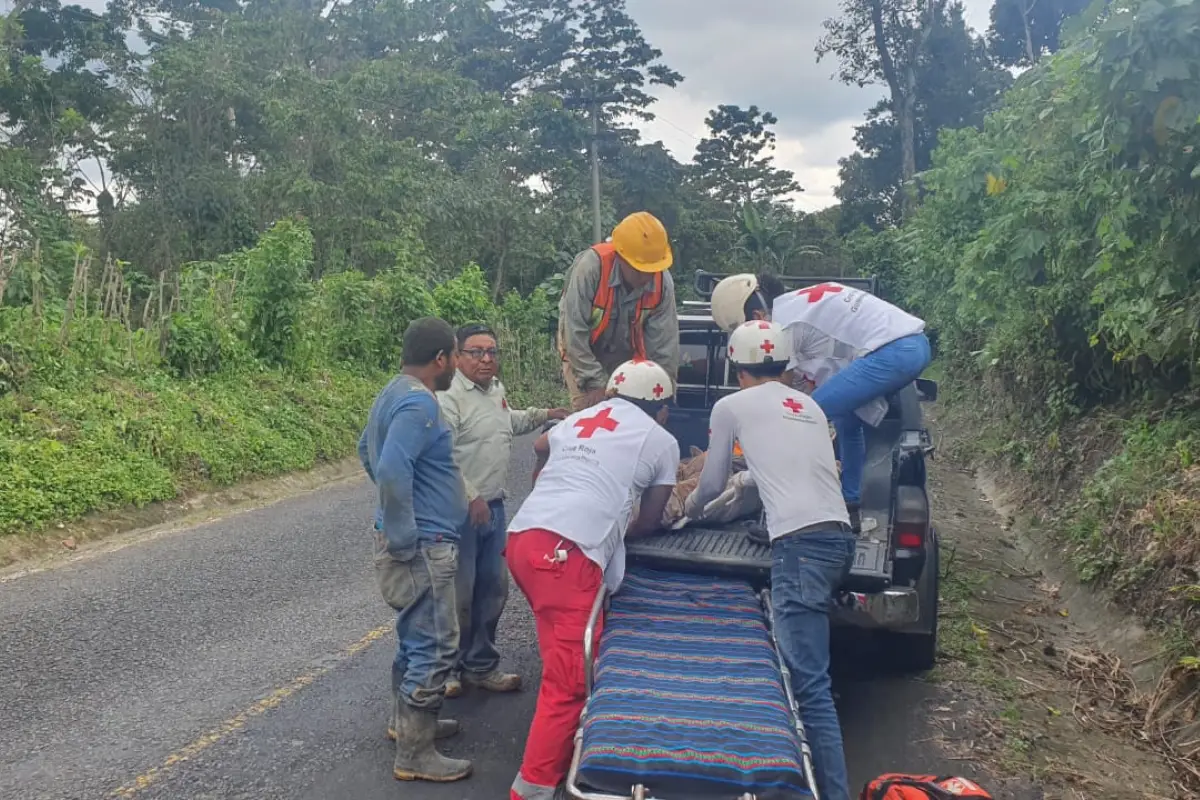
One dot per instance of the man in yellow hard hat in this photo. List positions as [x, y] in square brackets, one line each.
[618, 304]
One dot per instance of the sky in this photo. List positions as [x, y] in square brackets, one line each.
[760, 52]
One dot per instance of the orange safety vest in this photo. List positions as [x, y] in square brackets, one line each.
[602, 303]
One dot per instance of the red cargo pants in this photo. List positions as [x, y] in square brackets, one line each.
[561, 594]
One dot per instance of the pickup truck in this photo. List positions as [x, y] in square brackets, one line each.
[688, 694]
[892, 591]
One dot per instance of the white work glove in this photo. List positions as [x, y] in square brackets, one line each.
[734, 489]
[743, 480]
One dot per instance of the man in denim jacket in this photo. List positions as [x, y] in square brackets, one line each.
[407, 450]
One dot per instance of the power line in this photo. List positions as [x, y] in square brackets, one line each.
[688, 134]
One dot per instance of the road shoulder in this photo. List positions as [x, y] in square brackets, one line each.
[27, 553]
[1040, 700]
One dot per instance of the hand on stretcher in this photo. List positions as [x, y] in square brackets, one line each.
[735, 490]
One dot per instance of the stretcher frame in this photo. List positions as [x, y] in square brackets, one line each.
[639, 792]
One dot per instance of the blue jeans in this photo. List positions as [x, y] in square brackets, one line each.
[482, 591]
[421, 590]
[806, 570]
[877, 374]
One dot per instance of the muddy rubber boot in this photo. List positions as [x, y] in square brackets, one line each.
[445, 727]
[417, 759]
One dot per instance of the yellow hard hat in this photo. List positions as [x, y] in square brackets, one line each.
[641, 241]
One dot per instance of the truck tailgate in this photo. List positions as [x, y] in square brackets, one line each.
[729, 551]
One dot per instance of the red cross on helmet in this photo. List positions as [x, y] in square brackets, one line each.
[640, 379]
[759, 342]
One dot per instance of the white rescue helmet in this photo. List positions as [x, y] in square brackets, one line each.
[729, 298]
[759, 342]
[640, 379]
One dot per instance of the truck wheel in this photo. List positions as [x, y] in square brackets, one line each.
[917, 652]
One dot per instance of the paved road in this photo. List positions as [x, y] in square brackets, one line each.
[248, 658]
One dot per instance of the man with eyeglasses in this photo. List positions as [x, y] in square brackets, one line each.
[477, 410]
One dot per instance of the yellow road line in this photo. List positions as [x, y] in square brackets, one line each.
[238, 722]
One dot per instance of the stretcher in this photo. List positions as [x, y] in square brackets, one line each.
[688, 696]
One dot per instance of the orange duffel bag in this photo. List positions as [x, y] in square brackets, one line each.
[895, 786]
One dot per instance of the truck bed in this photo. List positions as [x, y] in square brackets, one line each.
[726, 550]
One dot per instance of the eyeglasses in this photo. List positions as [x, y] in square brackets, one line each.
[481, 353]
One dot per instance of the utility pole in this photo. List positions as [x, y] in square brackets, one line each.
[593, 101]
[597, 233]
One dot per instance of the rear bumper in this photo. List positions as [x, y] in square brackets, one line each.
[890, 609]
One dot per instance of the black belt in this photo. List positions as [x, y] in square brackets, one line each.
[820, 527]
[757, 532]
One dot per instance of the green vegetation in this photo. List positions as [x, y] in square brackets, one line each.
[1046, 225]
[1048, 231]
[258, 371]
[415, 125]
[1053, 250]
[212, 239]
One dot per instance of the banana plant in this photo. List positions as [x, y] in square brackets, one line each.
[767, 242]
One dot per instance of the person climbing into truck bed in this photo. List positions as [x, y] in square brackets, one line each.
[618, 303]
[789, 454]
[855, 348]
[568, 539]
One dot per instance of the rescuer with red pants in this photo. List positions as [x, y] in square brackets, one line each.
[567, 542]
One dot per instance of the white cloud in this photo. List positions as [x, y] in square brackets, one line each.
[760, 52]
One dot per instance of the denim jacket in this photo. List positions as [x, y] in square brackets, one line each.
[407, 450]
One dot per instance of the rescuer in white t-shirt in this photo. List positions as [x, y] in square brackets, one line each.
[854, 347]
[568, 539]
[785, 438]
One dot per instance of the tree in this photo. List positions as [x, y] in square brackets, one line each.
[882, 41]
[734, 162]
[646, 177]
[1022, 31]
[59, 98]
[571, 51]
[770, 242]
[579, 49]
[957, 84]
[412, 131]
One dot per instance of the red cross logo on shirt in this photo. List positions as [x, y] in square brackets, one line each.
[766, 346]
[791, 404]
[815, 293]
[589, 425]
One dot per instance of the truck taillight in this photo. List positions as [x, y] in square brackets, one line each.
[911, 519]
[909, 539]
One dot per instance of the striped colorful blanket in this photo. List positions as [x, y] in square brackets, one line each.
[688, 699]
